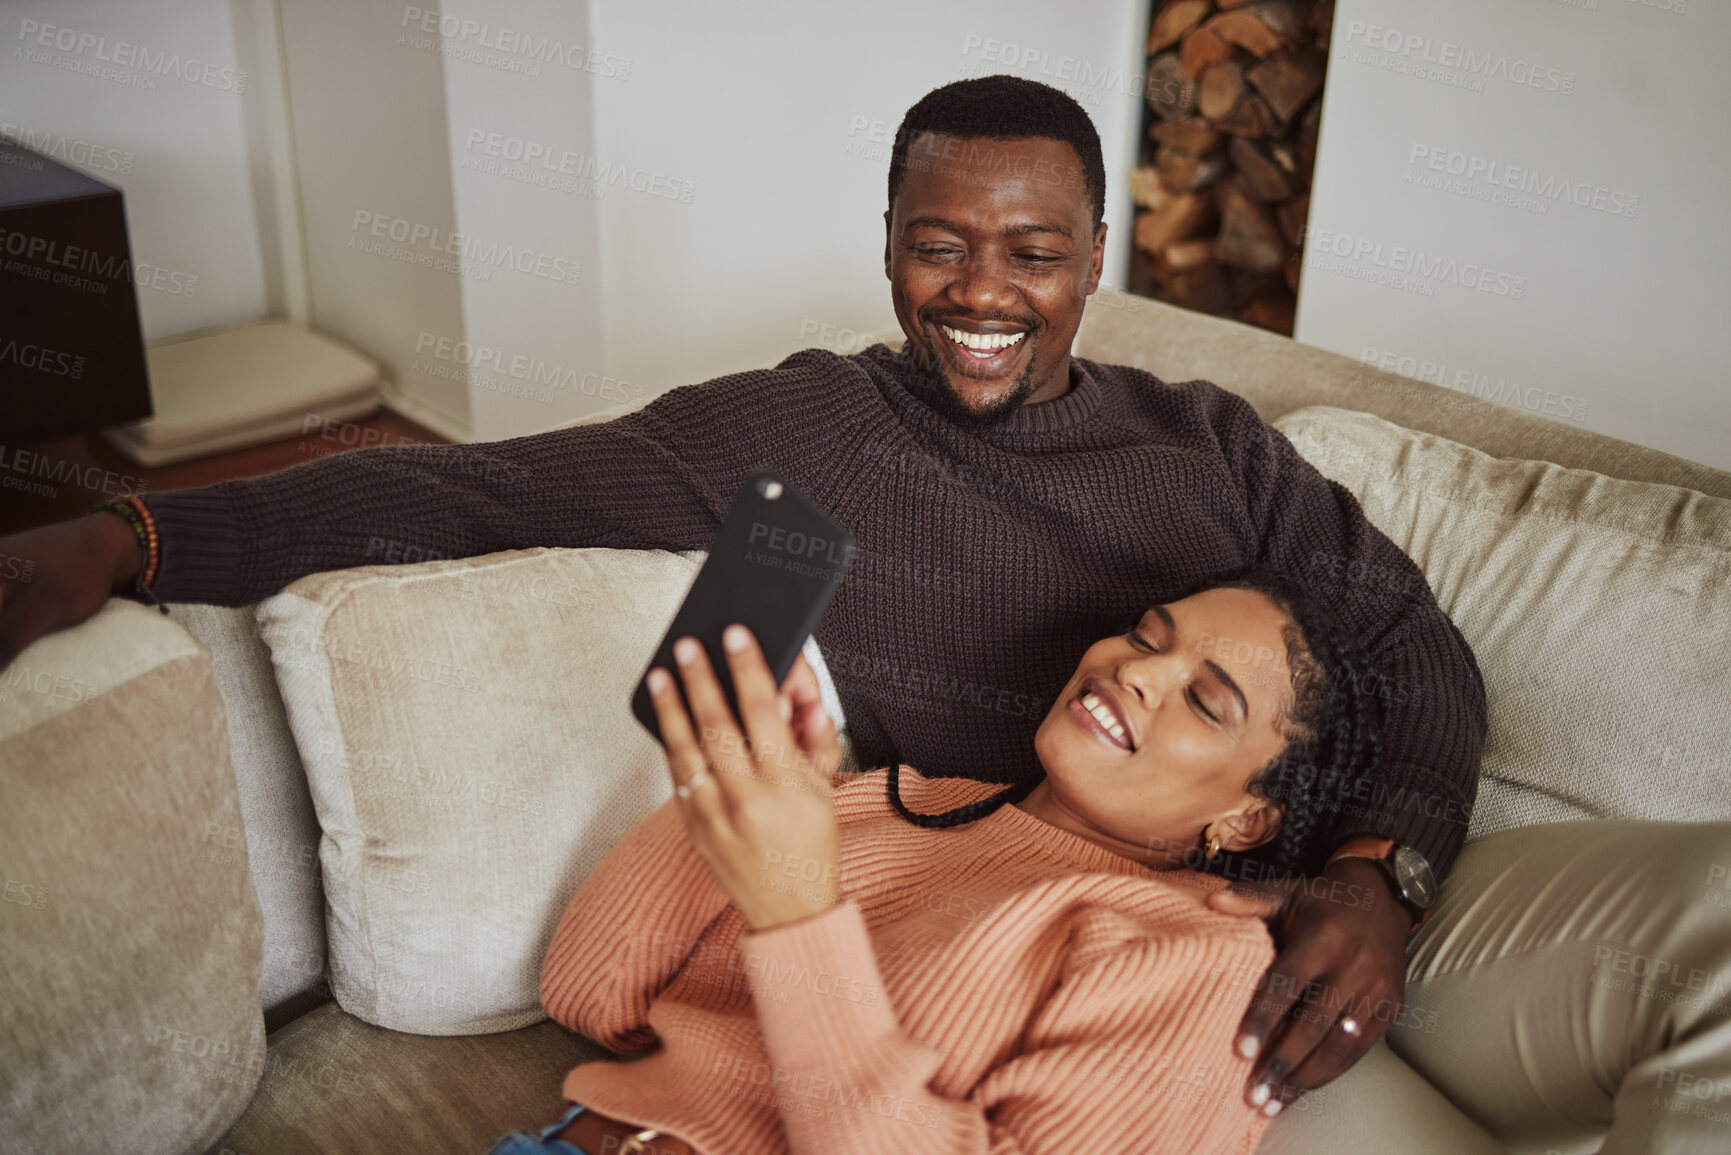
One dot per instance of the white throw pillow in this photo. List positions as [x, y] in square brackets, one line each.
[1599, 611]
[467, 736]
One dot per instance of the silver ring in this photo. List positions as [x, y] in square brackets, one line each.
[1349, 1025]
[684, 789]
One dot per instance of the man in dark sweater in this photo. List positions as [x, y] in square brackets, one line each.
[1012, 505]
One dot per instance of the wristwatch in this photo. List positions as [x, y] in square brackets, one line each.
[1414, 884]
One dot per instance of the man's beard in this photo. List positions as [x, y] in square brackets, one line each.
[947, 401]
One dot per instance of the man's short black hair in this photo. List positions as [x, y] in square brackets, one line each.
[1003, 108]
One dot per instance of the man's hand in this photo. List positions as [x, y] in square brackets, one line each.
[1342, 939]
[56, 576]
[756, 805]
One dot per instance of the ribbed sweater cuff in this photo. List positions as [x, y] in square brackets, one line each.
[203, 542]
[820, 999]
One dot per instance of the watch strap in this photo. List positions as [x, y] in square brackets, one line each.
[1361, 846]
[1373, 847]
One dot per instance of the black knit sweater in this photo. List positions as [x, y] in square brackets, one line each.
[990, 557]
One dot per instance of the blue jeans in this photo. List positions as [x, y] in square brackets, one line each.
[526, 1143]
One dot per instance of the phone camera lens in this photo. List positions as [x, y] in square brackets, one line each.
[770, 489]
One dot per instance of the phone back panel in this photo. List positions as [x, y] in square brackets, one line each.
[774, 566]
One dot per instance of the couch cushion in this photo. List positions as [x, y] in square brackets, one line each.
[333, 1083]
[129, 933]
[466, 732]
[1599, 611]
[282, 833]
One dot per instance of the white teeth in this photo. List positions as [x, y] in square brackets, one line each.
[1101, 714]
[982, 341]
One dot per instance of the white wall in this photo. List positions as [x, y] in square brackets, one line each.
[533, 211]
[782, 116]
[717, 171]
[151, 98]
[1601, 301]
[479, 291]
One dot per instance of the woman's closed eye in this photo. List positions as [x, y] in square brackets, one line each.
[1206, 712]
[1142, 643]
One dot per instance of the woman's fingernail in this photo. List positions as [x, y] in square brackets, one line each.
[1273, 1108]
[734, 637]
[658, 679]
[786, 710]
[1247, 1046]
[1259, 1094]
[685, 650]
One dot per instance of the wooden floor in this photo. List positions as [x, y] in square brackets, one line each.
[61, 479]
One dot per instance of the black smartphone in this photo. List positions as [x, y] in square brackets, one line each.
[775, 564]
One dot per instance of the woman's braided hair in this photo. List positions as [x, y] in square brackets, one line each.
[1334, 728]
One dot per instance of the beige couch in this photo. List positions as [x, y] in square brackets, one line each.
[276, 878]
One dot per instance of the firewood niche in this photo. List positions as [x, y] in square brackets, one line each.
[1222, 190]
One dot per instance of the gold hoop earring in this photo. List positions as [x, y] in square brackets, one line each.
[1213, 847]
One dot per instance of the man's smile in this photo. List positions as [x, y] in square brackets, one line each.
[982, 350]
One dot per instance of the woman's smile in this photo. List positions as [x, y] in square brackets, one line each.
[1096, 709]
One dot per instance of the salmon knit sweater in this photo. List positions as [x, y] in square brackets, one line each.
[1000, 986]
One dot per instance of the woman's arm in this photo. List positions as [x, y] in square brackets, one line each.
[627, 931]
[1135, 1042]
[633, 923]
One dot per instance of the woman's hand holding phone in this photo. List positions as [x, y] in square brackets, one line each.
[757, 805]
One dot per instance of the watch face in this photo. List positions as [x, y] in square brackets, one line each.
[1415, 877]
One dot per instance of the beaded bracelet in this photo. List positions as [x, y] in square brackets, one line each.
[132, 508]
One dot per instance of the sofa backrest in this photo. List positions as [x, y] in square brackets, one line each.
[1278, 375]
[1598, 609]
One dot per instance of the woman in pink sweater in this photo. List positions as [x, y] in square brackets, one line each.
[882, 962]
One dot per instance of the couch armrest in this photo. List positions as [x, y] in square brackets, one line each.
[130, 937]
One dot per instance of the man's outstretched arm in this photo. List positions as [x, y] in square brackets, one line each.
[1349, 940]
[658, 478]
[625, 483]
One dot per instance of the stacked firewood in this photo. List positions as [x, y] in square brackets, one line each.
[1234, 93]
